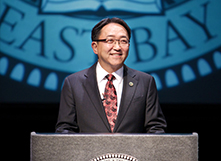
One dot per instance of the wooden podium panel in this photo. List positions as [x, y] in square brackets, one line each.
[114, 147]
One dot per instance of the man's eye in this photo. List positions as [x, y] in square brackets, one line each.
[124, 41]
[110, 41]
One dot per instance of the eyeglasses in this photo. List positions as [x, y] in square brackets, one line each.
[124, 42]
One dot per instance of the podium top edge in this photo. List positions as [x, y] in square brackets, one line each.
[115, 134]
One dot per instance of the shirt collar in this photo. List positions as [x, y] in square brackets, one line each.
[102, 73]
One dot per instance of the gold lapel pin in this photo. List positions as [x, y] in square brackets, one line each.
[131, 84]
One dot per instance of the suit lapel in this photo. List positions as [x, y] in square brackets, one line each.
[91, 87]
[129, 88]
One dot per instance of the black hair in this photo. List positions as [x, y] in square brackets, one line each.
[97, 28]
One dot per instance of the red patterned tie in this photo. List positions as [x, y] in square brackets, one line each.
[110, 101]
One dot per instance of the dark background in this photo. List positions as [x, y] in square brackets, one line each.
[188, 107]
[18, 120]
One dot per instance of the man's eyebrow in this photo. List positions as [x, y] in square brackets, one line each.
[115, 36]
[110, 35]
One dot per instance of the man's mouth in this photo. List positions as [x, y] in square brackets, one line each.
[116, 54]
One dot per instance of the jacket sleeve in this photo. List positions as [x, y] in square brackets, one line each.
[154, 118]
[67, 118]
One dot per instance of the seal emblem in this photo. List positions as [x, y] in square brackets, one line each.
[114, 157]
[43, 41]
[101, 8]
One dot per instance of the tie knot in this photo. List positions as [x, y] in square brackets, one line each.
[110, 77]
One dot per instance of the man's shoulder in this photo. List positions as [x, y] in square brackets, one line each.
[81, 74]
[76, 77]
[145, 80]
[138, 73]
[78, 74]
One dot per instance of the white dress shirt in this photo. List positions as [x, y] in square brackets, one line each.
[118, 82]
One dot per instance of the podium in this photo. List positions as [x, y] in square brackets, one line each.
[114, 147]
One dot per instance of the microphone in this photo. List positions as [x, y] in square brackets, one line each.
[102, 99]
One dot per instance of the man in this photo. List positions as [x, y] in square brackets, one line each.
[110, 97]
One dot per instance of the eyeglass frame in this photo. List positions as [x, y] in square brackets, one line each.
[105, 40]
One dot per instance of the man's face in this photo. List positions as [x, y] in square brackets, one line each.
[111, 56]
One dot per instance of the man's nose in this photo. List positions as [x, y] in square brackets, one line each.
[117, 45]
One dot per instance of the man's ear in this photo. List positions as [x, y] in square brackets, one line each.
[94, 47]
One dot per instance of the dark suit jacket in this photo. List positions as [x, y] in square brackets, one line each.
[81, 108]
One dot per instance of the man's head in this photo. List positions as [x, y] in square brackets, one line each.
[97, 28]
[110, 41]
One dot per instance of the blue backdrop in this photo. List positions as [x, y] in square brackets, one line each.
[178, 42]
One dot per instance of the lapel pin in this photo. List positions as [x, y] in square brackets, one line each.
[131, 84]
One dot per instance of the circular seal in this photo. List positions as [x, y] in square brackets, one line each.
[114, 157]
[42, 42]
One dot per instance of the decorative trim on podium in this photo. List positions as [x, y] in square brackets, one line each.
[115, 157]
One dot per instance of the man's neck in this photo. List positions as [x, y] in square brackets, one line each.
[111, 69]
